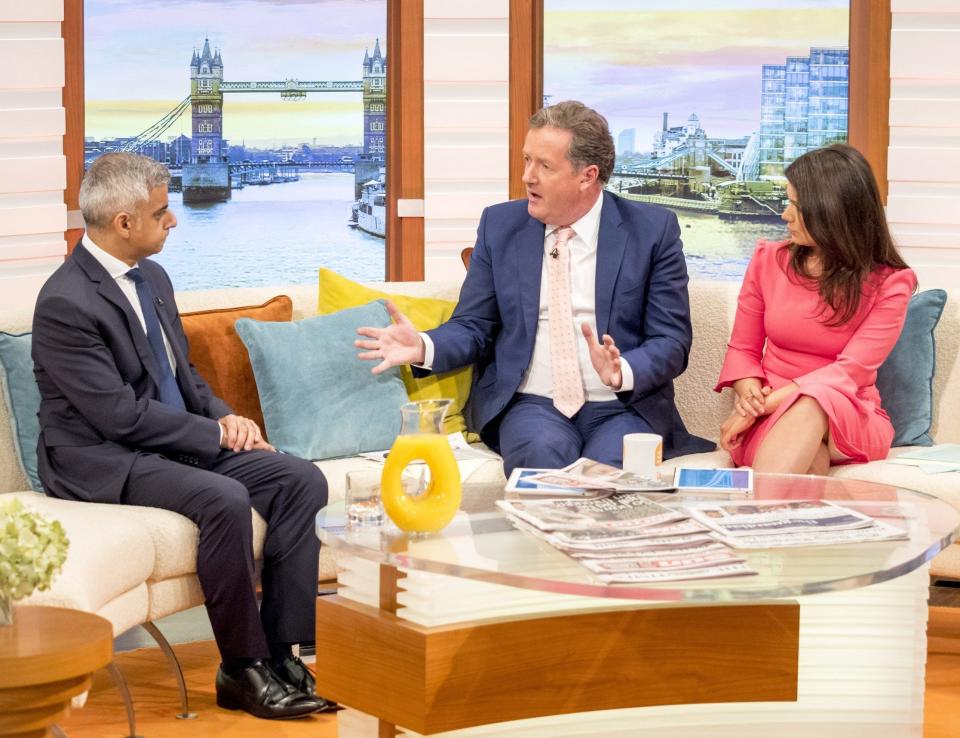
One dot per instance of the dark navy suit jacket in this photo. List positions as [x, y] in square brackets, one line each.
[642, 302]
[98, 382]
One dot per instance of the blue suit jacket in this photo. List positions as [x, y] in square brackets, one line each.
[99, 384]
[642, 302]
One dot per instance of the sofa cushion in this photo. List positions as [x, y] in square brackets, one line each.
[110, 553]
[905, 380]
[319, 399]
[338, 293]
[220, 356]
[23, 400]
[174, 537]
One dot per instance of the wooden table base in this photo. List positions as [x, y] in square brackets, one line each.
[46, 659]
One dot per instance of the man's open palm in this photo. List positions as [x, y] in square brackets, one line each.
[605, 358]
[397, 344]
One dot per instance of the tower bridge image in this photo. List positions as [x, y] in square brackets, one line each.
[207, 176]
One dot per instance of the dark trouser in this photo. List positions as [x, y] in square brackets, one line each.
[287, 492]
[533, 433]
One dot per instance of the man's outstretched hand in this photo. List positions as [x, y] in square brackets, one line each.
[397, 344]
[605, 358]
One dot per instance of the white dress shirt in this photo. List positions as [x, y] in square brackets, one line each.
[538, 378]
[118, 271]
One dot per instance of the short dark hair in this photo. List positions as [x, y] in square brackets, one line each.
[591, 143]
[839, 202]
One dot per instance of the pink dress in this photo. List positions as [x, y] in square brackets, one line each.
[837, 366]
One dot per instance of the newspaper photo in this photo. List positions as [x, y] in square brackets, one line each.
[588, 473]
[619, 512]
[791, 523]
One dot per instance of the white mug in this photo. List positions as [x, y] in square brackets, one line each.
[643, 454]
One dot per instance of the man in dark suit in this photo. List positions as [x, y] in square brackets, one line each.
[126, 419]
[570, 259]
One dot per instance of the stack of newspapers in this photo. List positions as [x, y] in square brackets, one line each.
[627, 538]
[779, 524]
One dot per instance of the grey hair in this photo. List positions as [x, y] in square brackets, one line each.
[591, 143]
[117, 183]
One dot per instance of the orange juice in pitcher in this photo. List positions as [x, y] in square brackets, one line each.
[422, 439]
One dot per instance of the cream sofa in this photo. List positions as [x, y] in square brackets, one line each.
[136, 565]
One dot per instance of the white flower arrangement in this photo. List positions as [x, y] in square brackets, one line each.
[32, 550]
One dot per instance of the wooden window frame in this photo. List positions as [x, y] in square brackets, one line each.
[869, 96]
[404, 245]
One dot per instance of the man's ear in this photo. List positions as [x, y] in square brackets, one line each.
[589, 174]
[122, 224]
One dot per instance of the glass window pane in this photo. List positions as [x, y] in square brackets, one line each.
[708, 103]
[271, 118]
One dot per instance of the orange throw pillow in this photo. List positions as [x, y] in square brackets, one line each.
[220, 356]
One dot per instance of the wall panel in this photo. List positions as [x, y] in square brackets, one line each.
[466, 114]
[924, 157]
[32, 166]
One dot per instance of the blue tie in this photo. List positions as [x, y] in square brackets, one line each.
[169, 391]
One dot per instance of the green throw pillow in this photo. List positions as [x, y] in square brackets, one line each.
[905, 379]
[319, 400]
[23, 400]
[337, 293]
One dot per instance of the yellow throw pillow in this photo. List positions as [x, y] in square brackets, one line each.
[339, 293]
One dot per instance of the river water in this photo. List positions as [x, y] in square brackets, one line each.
[283, 233]
[271, 235]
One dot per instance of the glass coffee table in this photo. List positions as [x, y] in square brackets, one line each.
[483, 629]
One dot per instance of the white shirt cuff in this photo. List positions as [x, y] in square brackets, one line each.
[427, 352]
[627, 373]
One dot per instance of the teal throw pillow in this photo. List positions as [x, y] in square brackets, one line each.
[905, 380]
[23, 400]
[319, 400]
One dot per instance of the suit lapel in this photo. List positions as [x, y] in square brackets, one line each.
[611, 245]
[529, 270]
[108, 289]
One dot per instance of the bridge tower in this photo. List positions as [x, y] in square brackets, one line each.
[374, 118]
[374, 102]
[207, 177]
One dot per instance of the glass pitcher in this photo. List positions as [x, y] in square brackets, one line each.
[422, 439]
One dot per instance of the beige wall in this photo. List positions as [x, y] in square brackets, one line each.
[466, 105]
[465, 137]
[32, 167]
[924, 163]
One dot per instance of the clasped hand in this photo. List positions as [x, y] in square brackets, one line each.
[750, 396]
[241, 434]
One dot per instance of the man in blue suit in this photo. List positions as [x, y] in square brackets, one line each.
[571, 258]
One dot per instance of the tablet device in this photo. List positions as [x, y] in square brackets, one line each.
[719, 480]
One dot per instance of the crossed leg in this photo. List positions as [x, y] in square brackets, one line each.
[799, 442]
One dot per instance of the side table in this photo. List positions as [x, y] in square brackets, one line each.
[46, 658]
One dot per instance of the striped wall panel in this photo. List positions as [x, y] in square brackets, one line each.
[466, 106]
[924, 157]
[32, 166]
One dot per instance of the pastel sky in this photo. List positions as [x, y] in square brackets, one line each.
[137, 59]
[633, 61]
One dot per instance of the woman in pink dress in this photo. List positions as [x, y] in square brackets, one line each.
[817, 314]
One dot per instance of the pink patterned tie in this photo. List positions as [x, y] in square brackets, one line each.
[564, 366]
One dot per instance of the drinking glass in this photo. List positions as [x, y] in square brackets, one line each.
[363, 504]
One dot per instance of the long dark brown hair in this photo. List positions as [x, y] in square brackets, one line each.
[839, 202]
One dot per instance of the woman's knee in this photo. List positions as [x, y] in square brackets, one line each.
[807, 407]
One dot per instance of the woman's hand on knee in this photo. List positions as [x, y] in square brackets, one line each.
[733, 429]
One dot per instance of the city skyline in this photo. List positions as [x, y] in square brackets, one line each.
[260, 40]
[679, 57]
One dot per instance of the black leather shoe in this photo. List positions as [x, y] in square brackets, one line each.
[295, 673]
[262, 693]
